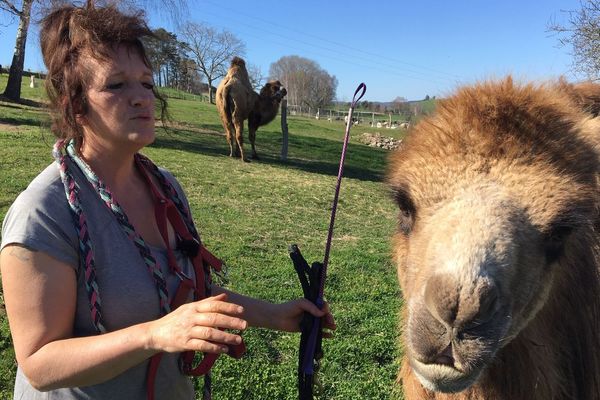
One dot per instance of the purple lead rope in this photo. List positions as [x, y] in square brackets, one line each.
[358, 94]
[308, 364]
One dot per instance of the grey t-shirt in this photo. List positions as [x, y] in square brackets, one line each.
[41, 220]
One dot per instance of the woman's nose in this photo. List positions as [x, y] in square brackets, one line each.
[142, 97]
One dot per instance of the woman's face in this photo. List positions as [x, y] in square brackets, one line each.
[120, 116]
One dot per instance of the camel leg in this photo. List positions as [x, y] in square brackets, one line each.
[228, 127]
[239, 138]
[229, 135]
[252, 137]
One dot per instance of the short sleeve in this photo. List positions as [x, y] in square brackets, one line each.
[176, 186]
[41, 220]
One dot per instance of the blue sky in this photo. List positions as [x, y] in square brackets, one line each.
[398, 48]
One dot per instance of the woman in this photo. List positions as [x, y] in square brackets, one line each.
[90, 268]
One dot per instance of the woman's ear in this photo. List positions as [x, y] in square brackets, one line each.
[80, 119]
[79, 111]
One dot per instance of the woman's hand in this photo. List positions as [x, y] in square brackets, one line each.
[287, 316]
[198, 326]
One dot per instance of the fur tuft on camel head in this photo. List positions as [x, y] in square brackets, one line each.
[237, 102]
[238, 62]
[498, 248]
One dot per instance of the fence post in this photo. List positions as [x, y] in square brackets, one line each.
[284, 130]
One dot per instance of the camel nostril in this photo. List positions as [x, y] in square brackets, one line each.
[445, 357]
[442, 298]
[480, 309]
[489, 302]
[444, 360]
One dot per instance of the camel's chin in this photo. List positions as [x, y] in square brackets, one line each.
[442, 378]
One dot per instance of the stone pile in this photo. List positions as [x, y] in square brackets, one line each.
[376, 140]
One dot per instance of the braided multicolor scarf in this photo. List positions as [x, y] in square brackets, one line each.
[63, 151]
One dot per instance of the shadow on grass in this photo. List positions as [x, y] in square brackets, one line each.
[23, 121]
[22, 102]
[316, 155]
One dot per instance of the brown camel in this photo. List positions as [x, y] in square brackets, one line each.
[498, 247]
[237, 101]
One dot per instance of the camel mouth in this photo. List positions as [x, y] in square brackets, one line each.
[458, 366]
[444, 378]
[280, 94]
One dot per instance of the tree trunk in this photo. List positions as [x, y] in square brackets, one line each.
[210, 92]
[284, 130]
[15, 76]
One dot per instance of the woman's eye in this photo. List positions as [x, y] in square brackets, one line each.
[114, 86]
[148, 85]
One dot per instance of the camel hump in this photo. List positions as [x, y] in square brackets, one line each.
[237, 61]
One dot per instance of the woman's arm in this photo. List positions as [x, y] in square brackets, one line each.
[40, 295]
[283, 317]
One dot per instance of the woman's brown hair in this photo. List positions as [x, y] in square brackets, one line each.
[71, 34]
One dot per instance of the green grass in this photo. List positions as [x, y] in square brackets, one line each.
[248, 213]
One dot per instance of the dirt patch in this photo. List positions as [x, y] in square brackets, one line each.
[5, 127]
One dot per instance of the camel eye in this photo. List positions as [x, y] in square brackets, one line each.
[406, 215]
[555, 240]
[405, 221]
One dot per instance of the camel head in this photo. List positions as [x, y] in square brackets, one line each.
[273, 90]
[494, 191]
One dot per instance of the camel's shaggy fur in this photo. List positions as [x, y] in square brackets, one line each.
[237, 101]
[498, 248]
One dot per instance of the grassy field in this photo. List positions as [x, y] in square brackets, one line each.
[248, 213]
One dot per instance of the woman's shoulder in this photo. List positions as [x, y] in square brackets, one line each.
[40, 217]
[168, 174]
[172, 180]
[47, 185]
[44, 192]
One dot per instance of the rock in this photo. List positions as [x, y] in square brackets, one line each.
[376, 140]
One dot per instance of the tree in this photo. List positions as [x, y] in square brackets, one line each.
[401, 106]
[256, 76]
[306, 82]
[582, 33]
[211, 50]
[162, 50]
[15, 75]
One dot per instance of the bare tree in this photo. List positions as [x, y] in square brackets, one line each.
[256, 76]
[23, 11]
[211, 50]
[306, 82]
[321, 89]
[15, 75]
[401, 106]
[582, 34]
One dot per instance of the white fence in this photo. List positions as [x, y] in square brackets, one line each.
[379, 120]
